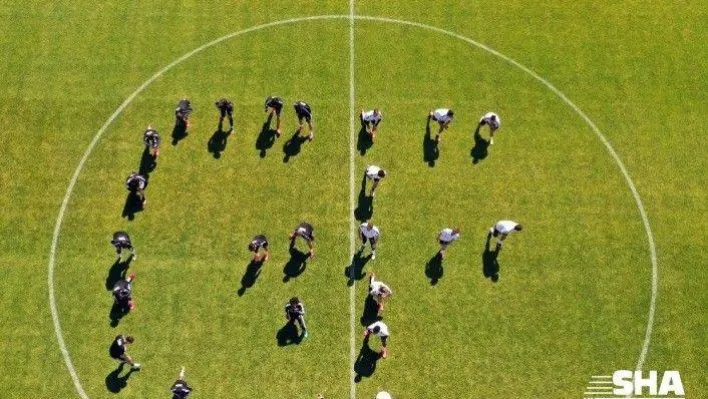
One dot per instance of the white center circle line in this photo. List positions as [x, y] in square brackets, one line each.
[77, 172]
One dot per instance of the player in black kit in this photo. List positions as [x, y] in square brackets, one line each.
[258, 242]
[304, 115]
[180, 389]
[226, 108]
[274, 105]
[121, 241]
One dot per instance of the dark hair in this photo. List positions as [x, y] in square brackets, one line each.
[129, 339]
[294, 300]
[251, 247]
[450, 113]
[382, 173]
[376, 329]
[518, 227]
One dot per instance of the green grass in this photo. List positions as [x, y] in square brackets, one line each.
[574, 291]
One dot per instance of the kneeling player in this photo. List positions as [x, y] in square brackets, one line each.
[258, 242]
[152, 141]
[370, 121]
[226, 108]
[295, 311]
[123, 294]
[492, 120]
[307, 232]
[180, 389]
[381, 330]
[136, 183]
[304, 114]
[182, 112]
[117, 351]
[121, 241]
[443, 117]
[274, 105]
[447, 237]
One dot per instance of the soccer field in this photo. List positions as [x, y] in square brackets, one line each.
[600, 155]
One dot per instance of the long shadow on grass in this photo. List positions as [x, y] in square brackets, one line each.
[288, 334]
[217, 142]
[115, 382]
[132, 205]
[434, 269]
[480, 149]
[293, 146]
[117, 272]
[147, 163]
[179, 132]
[266, 137]
[296, 264]
[431, 152]
[253, 270]
[116, 313]
[490, 264]
[355, 270]
[364, 141]
[370, 314]
[365, 204]
[365, 364]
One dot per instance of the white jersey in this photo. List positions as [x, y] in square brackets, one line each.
[505, 226]
[376, 287]
[373, 233]
[383, 329]
[372, 172]
[383, 395]
[372, 117]
[441, 115]
[491, 119]
[448, 235]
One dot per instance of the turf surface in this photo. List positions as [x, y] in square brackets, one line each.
[574, 288]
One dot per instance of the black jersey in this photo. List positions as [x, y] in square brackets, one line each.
[274, 102]
[259, 241]
[306, 231]
[225, 105]
[121, 240]
[151, 138]
[303, 110]
[135, 182]
[180, 389]
[184, 108]
[292, 312]
[117, 348]
[123, 290]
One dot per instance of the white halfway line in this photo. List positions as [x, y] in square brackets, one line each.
[351, 17]
[352, 221]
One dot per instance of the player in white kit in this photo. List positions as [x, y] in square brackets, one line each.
[502, 229]
[443, 117]
[375, 174]
[370, 121]
[379, 291]
[492, 120]
[447, 236]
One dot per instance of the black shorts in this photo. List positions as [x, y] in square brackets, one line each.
[307, 118]
[224, 112]
[496, 233]
[122, 356]
[445, 242]
[277, 107]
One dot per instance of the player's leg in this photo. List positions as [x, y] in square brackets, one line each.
[230, 114]
[384, 347]
[312, 128]
[373, 187]
[363, 241]
[303, 326]
[277, 123]
[443, 246]
[372, 241]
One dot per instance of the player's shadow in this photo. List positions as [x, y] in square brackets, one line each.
[253, 270]
[370, 314]
[490, 264]
[115, 382]
[293, 146]
[147, 163]
[296, 264]
[132, 205]
[431, 152]
[179, 132]
[116, 313]
[480, 149]
[434, 268]
[288, 334]
[365, 204]
[217, 142]
[355, 270]
[266, 137]
[365, 364]
[117, 272]
[364, 141]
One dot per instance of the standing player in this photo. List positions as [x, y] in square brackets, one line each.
[182, 112]
[295, 311]
[307, 232]
[152, 141]
[379, 291]
[370, 234]
[258, 242]
[180, 389]
[492, 120]
[135, 183]
[443, 117]
[375, 174]
[121, 241]
[117, 351]
[370, 121]
[381, 330]
[274, 104]
[447, 236]
[123, 294]
[502, 230]
[226, 108]
[304, 113]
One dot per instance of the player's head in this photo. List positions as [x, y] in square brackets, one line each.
[294, 301]
[369, 225]
[518, 227]
[129, 339]
[450, 113]
[456, 230]
[382, 173]
[377, 111]
[376, 329]
[252, 247]
[383, 395]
